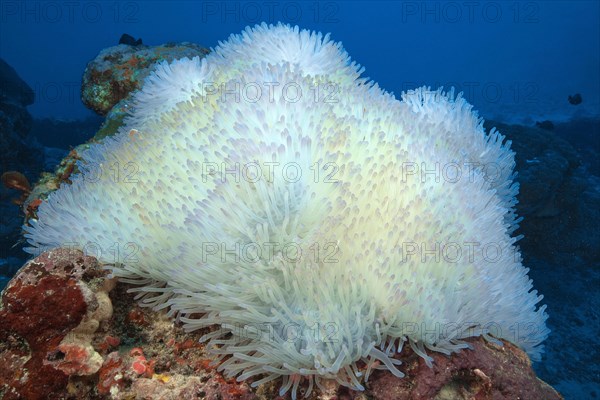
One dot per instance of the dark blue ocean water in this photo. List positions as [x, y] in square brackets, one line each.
[516, 62]
[513, 59]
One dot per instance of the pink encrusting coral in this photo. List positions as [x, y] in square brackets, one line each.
[383, 253]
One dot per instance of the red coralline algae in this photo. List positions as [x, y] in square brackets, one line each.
[140, 365]
[40, 306]
[110, 374]
[487, 372]
[136, 317]
[109, 342]
[75, 360]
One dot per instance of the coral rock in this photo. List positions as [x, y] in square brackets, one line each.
[487, 372]
[118, 70]
[50, 297]
[60, 318]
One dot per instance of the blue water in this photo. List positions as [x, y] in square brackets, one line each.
[515, 61]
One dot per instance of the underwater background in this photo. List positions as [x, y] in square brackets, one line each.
[531, 69]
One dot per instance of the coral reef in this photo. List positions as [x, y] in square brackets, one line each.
[50, 310]
[106, 88]
[67, 331]
[486, 372]
[559, 199]
[549, 239]
[163, 217]
[118, 70]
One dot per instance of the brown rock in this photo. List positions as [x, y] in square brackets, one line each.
[487, 372]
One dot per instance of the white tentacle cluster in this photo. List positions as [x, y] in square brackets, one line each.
[316, 220]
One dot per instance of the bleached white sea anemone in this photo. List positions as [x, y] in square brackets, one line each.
[319, 222]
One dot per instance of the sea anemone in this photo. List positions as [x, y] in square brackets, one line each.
[317, 221]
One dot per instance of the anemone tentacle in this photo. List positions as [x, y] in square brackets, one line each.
[320, 222]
